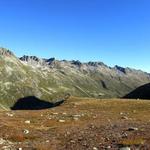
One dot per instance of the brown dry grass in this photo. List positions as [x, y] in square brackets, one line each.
[106, 115]
[133, 141]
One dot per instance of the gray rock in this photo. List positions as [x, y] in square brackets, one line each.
[95, 148]
[75, 118]
[72, 141]
[133, 129]
[25, 131]
[2, 141]
[124, 117]
[27, 122]
[125, 148]
[62, 121]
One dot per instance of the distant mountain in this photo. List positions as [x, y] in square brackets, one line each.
[49, 79]
[142, 92]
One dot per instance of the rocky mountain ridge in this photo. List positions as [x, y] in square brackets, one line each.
[50, 79]
[34, 60]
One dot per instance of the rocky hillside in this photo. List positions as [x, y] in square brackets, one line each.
[49, 79]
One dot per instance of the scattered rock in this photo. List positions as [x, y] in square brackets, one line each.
[133, 129]
[134, 111]
[62, 121]
[94, 117]
[10, 114]
[84, 143]
[75, 118]
[125, 148]
[55, 113]
[27, 121]
[2, 141]
[64, 113]
[80, 138]
[68, 133]
[95, 148]
[25, 131]
[121, 113]
[108, 147]
[82, 115]
[91, 126]
[124, 135]
[75, 105]
[124, 117]
[8, 147]
[76, 115]
[72, 141]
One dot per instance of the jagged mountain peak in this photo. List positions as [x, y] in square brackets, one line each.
[121, 69]
[34, 60]
[50, 61]
[95, 64]
[28, 58]
[82, 66]
[86, 67]
[76, 62]
[5, 52]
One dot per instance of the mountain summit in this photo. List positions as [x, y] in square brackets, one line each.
[5, 52]
[51, 79]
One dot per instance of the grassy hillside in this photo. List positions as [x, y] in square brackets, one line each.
[52, 79]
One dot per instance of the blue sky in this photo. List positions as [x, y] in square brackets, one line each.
[112, 31]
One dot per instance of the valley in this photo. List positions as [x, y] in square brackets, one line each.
[49, 104]
[75, 75]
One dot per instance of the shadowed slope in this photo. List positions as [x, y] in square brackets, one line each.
[142, 92]
[33, 103]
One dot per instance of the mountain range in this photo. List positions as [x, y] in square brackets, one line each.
[50, 79]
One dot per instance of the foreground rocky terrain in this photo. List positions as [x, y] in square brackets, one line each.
[79, 124]
[49, 79]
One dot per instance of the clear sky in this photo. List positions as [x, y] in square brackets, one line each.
[112, 31]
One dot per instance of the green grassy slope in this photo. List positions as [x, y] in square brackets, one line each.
[19, 79]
